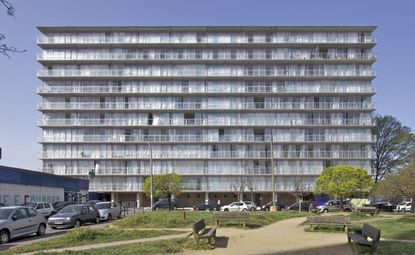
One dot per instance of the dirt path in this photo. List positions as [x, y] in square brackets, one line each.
[284, 237]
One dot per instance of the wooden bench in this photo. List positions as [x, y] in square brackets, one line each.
[231, 216]
[200, 231]
[362, 239]
[343, 221]
[373, 211]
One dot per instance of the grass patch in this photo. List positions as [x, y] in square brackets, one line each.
[176, 219]
[357, 216]
[391, 248]
[158, 247]
[83, 236]
[402, 228]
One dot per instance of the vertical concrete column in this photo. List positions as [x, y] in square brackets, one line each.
[206, 197]
[113, 197]
[139, 199]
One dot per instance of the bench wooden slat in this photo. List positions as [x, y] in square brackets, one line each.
[200, 231]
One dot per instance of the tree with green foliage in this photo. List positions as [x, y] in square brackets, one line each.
[165, 185]
[400, 185]
[344, 181]
[393, 147]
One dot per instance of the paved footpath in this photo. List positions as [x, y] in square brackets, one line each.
[283, 237]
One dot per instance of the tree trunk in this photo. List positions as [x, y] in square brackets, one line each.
[169, 198]
[341, 203]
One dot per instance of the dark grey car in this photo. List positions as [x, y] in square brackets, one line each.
[17, 221]
[74, 216]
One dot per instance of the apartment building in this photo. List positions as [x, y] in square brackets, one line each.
[207, 103]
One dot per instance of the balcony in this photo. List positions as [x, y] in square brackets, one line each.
[189, 39]
[203, 122]
[120, 138]
[172, 155]
[203, 73]
[204, 90]
[205, 56]
[194, 106]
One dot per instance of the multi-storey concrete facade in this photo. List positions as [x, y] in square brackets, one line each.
[207, 100]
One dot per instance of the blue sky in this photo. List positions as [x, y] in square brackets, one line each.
[18, 116]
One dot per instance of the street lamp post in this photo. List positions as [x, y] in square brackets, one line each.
[151, 174]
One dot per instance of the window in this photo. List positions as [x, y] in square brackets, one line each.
[268, 37]
[47, 205]
[250, 38]
[215, 54]
[32, 212]
[198, 54]
[39, 206]
[20, 214]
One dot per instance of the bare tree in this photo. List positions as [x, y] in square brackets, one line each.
[301, 189]
[239, 189]
[4, 48]
[393, 147]
[249, 184]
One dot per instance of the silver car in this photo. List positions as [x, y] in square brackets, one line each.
[17, 221]
[108, 210]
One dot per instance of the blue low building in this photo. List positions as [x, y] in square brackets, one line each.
[18, 186]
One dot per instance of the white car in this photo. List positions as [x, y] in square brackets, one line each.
[404, 207]
[251, 205]
[43, 208]
[108, 210]
[235, 206]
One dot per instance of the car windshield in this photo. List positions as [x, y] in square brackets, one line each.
[103, 206]
[71, 209]
[5, 213]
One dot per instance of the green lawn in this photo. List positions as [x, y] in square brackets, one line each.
[392, 248]
[180, 219]
[83, 236]
[403, 228]
[159, 247]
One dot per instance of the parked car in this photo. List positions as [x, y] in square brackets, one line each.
[305, 206]
[92, 202]
[45, 209]
[280, 205]
[1, 205]
[17, 221]
[108, 210]
[57, 206]
[235, 206]
[404, 207]
[251, 205]
[384, 206]
[164, 204]
[207, 206]
[334, 206]
[74, 216]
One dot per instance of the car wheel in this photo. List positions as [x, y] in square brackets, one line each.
[96, 220]
[109, 217]
[226, 210]
[244, 210]
[347, 210]
[119, 216]
[41, 230]
[77, 223]
[4, 236]
[196, 209]
[325, 211]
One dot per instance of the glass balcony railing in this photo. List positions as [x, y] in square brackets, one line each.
[205, 154]
[222, 89]
[206, 106]
[205, 122]
[206, 73]
[204, 56]
[324, 38]
[200, 138]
